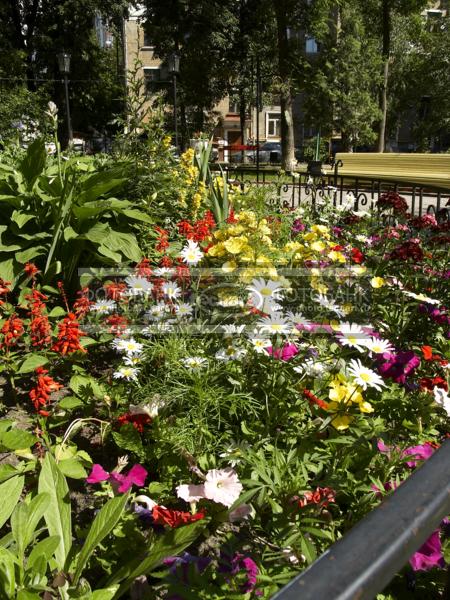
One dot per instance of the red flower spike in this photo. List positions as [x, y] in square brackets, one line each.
[82, 304]
[45, 385]
[69, 335]
[31, 270]
[137, 420]
[314, 399]
[12, 331]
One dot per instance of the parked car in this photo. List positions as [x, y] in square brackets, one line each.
[268, 152]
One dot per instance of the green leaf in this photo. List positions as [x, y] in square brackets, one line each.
[32, 362]
[25, 519]
[70, 234]
[26, 595]
[71, 467]
[115, 256]
[70, 402]
[21, 218]
[7, 472]
[123, 242]
[137, 215]
[10, 492]
[7, 574]
[7, 269]
[58, 311]
[34, 162]
[103, 524]
[45, 548]
[29, 254]
[57, 515]
[105, 593]
[17, 439]
[97, 233]
[171, 543]
[129, 439]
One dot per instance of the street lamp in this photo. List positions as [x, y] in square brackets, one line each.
[64, 69]
[174, 70]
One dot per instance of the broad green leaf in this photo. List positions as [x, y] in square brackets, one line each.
[71, 467]
[10, 492]
[97, 233]
[36, 509]
[98, 185]
[103, 524]
[138, 215]
[105, 593]
[17, 439]
[29, 254]
[70, 234]
[7, 574]
[21, 218]
[115, 256]
[58, 311]
[58, 515]
[45, 548]
[7, 472]
[7, 269]
[34, 162]
[129, 439]
[125, 243]
[26, 595]
[171, 543]
[70, 402]
[32, 362]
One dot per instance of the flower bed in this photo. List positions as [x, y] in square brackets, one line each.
[205, 423]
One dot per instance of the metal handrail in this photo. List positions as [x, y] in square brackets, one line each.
[365, 560]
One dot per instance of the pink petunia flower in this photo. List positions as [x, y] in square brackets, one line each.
[286, 353]
[120, 482]
[190, 492]
[223, 486]
[429, 555]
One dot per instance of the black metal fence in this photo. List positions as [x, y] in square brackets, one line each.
[365, 560]
[359, 193]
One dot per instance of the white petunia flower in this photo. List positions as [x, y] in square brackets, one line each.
[104, 306]
[363, 376]
[191, 253]
[222, 486]
[191, 493]
[151, 408]
[353, 336]
[442, 399]
[128, 373]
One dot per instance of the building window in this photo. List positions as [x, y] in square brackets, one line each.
[273, 125]
[233, 106]
[148, 42]
[311, 46]
[152, 79]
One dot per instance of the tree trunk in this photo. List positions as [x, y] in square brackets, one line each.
[384, 86]
[242, 119]
[284, 71]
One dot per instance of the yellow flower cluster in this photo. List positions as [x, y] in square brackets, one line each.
[343, 394]
[247, 242]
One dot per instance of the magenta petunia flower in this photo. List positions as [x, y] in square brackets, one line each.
[121, 482]
[429, 555]
[398, 366]
[420, 452]
[286, 353]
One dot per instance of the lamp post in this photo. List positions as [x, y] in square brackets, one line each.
[64, 69]
[174, 69]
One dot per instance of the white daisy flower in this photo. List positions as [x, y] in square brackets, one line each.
[171, 290]
[131, 361]
[130, 346]
[298, 319]
[263, 291]
[157, 311]
[363, 376]
[138, 285]
[260, 344]
[104, 306]
[230, 353]
[376, 346]
[329, 304]
[421, 297]
[128, 373]
[273, 324]
[184, 309]
[151, 408]
[312, 368]
[163, 271]
[194, 363]
[233, 329]
[353, 336]
[191, 253]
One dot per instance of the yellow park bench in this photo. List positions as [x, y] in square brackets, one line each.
[426, 170]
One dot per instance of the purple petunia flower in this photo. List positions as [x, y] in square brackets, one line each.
[398, 366]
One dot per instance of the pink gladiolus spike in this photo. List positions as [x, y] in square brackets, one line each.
[97, 474]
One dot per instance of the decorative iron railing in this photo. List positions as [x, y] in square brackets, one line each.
[293, 190]
[365, 560]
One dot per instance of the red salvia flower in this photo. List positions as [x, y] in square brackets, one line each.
[162, 240]
[143, 268]
[137, 420]
[115, 290]
[82, 304]
[69, 335]
[31, 270]
[174, 518]
[12, 331]
[231, 217]
[166, 262]
[314, 399]
[320, 496]
[40, 394]
[117, 324]
[40, 328]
